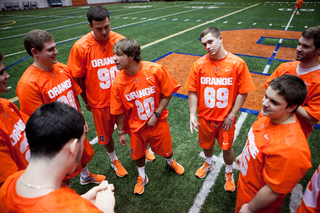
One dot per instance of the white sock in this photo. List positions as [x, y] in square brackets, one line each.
[142, 172]
[85, 172]
[209, 160]
[112, 155]
[228, 168]
[169, 160]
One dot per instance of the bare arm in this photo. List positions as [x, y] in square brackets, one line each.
[193, 104]
[120, 121]
[83, 94]
[263, 198]
[238, 103]
[302, 113]
[164, 101]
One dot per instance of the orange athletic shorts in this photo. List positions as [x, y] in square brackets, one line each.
[298, 5]
[210, 130]
[158, 137]
[104, 123]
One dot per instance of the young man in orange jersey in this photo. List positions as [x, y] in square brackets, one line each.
[307, 67]
[47, 80]
[218, 85]
[298, 6]
[56, 136]
[14, 147]
[276, 155]
[311, 199]
[91, 63]
[141, 91]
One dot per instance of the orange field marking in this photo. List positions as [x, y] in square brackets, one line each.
[238, 42]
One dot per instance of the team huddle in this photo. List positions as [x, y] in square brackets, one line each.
[106, 70]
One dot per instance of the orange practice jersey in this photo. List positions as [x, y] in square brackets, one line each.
[311, 77]
[37, 87]
[139, 95]
[93, 60]
[14, 147]
[275, 154]
[61, 200]
[217, 84]
[311, 198]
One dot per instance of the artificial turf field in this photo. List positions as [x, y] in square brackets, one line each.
[168, 33]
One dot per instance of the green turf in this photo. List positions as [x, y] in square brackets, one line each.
[166, 191]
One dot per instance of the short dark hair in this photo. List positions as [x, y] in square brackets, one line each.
[213, 30]
[97, 13]
[1, 57]
[313, 32]
[36, 39]
[51, 126]
[129, 47]
[291, 87]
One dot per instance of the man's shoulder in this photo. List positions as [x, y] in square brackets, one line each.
[31, 74]
[114, 37]
[84, 41]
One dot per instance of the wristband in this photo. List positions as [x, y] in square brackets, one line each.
[120, 132]
[230, 118]
[156, 114]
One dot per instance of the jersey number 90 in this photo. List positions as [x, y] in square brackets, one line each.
[107, 77]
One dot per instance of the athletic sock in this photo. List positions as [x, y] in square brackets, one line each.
[112, 155]
[228, 168]
[85, 172]
[209, 160]
[142, 172]
[169, 160]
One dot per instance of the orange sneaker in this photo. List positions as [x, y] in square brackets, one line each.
[139, 187]
[229, 186]
[92, 178]
[118, 168]
[176, 167]
[149, 156]
[202, 171]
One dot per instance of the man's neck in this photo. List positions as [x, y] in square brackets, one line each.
[134, 68]
[42, 66]
[309, 64]
[289, 118]
[219, 55]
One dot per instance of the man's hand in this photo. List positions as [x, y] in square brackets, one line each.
[245, 208]
[238, 160]
[227, 124]
[105, 200]
[193, 124]
[152, 121]
[122, 140]
[86, 127]
[88, 107]
[92, 193]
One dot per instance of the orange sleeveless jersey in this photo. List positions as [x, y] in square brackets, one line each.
[93, 60]
[217, 83]
[139, 95]
[37, 87]
[61, 200]
[311, 198]
[276, 155]
[14, 147]
[312, 80]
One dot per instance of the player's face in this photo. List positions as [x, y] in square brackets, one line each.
[122, 60]
[274, 106]
[211, 44]
[306, 50]
[101, 29]
[48, 54]
[3, 79]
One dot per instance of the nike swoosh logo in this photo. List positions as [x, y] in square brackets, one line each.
[61, 71]
[266, 137]
[228, 70]
[149, 77]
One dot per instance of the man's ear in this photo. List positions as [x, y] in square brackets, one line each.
[90, 25]
[34, 52]
[73, 146]
[292, 108]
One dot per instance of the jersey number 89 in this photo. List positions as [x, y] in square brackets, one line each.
[217, 98]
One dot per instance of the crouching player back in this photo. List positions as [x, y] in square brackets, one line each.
[276, 155]
[141, 91]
